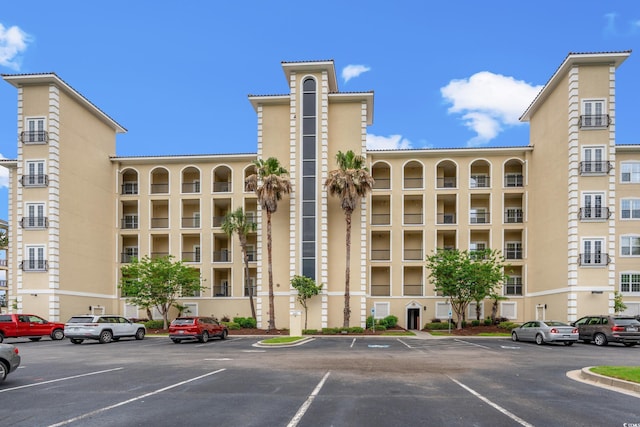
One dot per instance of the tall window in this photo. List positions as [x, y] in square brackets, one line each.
[594, 113]
[35, 173]
[630, 245]
[592, 206]
[309, 148]
[35, 132]
[630, 283]
[593, 160]
[35, 258]
[630, 172]
[35, 216]
[513, 286]
[630, 209]
[592, 253]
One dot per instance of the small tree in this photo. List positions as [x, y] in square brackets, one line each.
[495, 298]
[159, 282]
[488, 271]
[618, 303]
[306, 288]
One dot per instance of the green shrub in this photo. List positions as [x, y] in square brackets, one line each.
[438, 326]
[487, 322]
[475, 323]
[154, 324]
[390, 321]
[331, 331]
[370, 322]
[309, 331]
[232, 325]
[507, 325]
[245, 322]
[356, 330]
[380, 327]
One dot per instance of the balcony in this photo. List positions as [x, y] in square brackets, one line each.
[159, 188]
[41, 180]
[595, 168]
[156, 255]
[34, 137]
[446, 182]
[191, 187]
[513, 216]
[126, 258]
[221, 187]
[34, 265]
[159, 222]
[446, 218]
[190, 256]
[594, 259]
[4, 263]
[252, 255]
[129, 222]
[191, 222]
[380, 254]
[595, 121]
[382, 184]
[221, 256]
[413, 255]
[594, 214]
[129, 188]
[513, 251]
[514, 180]
[480, 181]
[413, 219]
[479, 217]
[34, 222]
[412, 289]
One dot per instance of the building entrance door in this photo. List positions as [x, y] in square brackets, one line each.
[413, 318]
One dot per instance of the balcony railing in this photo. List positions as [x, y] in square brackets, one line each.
[513, 253]
[130, 188]
[595, 121]
[129, 222]
[126, 258]
[513, 216]
[191, 222]
[479, 218]
[413, 254]
[254, 290]
[252, 256]
[382, 184]
[594, 214]
[34, 222]
[217, 221]
[159, 188]
[221, 187]
[446, 182]
[480, 181]
[221, 290]
[190, 187]
[412, 289]
[595, 168]
[380, 219]
[191, 256]
[413, 218]
[379, 290]
[156, 255]
[159, 222]
[594, 259]
[40, 180]
[380, 254]
[222, 256]
[34, 265]
[34, 137]
[446, 218]
[413, 183]
[514, 180]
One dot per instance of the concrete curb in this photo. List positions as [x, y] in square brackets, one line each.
[621, 386]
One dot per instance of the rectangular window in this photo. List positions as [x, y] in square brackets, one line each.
[630, 246]
[593, 161]
[35, 216]
[35, 131]
[513, 286]
[592, 254]
[592, 207]
[442, 310]
[35, 259]
[630, 172]
[381, 310]
[630, 283]
[630, 209]
[593, 113]
[508, 310]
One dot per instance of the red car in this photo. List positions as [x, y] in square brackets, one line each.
[196, 328]
[29, 325]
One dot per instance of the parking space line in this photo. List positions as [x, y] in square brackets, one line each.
[472, 343]
[125, 402]
[303, 409]
[493, 405]
[59, 379]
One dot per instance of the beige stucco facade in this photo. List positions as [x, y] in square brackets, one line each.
[563, 209]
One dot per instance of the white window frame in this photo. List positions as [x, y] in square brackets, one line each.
[39, 125]
[35, 253]
[590, 108]
[190, 309]
[471, 314]
[632, 168]
[509, 310]
[381, 310]
[593, 242]
[631, 245]
[476, 213]
[507, 284]
[630, 292]
[36, 215]
[597, 154]
[631, 209]
[443, 309]
[594, 201]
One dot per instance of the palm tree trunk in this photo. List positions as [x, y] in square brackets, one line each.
[347, 307]
[272, 317]
[247, 282]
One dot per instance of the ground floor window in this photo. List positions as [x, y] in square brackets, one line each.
[630, 283]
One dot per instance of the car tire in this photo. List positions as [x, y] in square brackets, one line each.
[57, 335]
[140, 334]
[1, 337]
[539, 339]
[4, 370]
[514, 336]
[105, 337]
[568, 343]
[204, 337]
[35, 338]
[600, 339]
[76, 340]
[630, 344]
[175, 341]
[224, 335]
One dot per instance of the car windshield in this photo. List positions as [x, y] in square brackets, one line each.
[87, 319]
[552, 323]
[182, 322]
[626, 322]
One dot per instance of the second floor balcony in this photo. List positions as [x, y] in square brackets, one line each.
[594, 214]
[513, 216]
[31, 222]
[34, 137]
[36, 180]
[191, 256]
[595, 168]
[513, 180]
[191, 222]
[595, 121]
[594, 259]
[129, 188]
[480, 217]
[446, 218]
[34, 265]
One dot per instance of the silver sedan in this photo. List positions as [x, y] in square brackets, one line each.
[542, 331]
[9, 360]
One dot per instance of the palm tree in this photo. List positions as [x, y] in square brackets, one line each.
[238, 222]
[350, 182]
[269, 182]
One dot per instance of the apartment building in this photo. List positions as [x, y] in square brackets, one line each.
[563, 207]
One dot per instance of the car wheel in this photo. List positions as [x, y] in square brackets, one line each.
[35, 338]
[57, 335]
[1, 337]
[140, 334]
[600, 339]
[204, 337]
[568, 343]
[76, 341]
[224, 335]
[105, 337]
[630, 344]
[4, 370]
[539, 339]
[175, 341]
[514, 336]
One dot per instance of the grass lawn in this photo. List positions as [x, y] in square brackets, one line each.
[629, 373]
[281, 340]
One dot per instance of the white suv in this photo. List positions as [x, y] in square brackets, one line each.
[105, 328]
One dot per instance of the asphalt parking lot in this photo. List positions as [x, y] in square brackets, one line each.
[341, 381]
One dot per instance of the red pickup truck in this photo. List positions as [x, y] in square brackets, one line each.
[29, 325]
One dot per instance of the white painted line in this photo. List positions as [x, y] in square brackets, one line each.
[60, 379]
[493, 405]
[404, 343]
[218, 360]
[352, 343]
[472, 343]
[298, 416]
[107, 408]
[254, 351]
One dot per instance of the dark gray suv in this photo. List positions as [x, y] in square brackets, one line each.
[605, 329]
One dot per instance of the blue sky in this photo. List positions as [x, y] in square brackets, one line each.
[177, 74]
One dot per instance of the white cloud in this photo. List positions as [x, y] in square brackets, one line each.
[351, 71]
[13, 41]
[4, 175]
[393, 142]
[488, 102]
